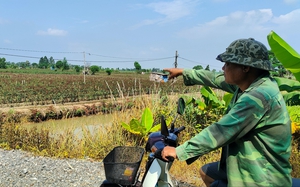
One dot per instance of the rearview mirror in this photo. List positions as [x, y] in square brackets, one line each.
[180, 106]
[180, 111]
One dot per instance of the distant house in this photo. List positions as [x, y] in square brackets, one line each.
[158, 77]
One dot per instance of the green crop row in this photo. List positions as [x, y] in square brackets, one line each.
[42, 89]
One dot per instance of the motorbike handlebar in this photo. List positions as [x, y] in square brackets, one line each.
[170, 158]
[157, 154]
[179, 130]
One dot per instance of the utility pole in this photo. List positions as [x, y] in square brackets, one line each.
[176, 56]
[84, 72]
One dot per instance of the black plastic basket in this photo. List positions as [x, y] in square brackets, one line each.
[121, 165]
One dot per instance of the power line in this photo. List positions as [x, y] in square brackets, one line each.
[110, 56]
[126, 59]
[197, 62]
[103, 61]
[28, 50]
[190, 60]
[141, 59]
[33, 57]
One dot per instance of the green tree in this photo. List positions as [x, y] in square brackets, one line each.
[198, 67]
[44, 62]
[27, 64]
[65, 66]
[52, 62]
[12, 65]
[3, 63]
[59, 64]
[279, 69]
[108, 71]
[94, 69]
[77, 68]
[207, 68]
[137, 66]
[23, 64]
[34, 65]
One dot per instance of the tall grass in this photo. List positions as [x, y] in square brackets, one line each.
[95, 145]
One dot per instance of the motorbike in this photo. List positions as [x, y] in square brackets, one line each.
[122, 164]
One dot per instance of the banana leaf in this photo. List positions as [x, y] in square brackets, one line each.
[287, 85]
[292, 98]
[289, 58]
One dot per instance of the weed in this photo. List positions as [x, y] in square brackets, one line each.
[96, 143]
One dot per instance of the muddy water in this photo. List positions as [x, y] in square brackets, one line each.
[76, 125]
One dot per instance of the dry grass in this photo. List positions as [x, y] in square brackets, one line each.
[167, 106]
[96, 145]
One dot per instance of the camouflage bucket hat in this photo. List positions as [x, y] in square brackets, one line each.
[248, 52]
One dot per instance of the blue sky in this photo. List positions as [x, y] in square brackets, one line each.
[115, 33]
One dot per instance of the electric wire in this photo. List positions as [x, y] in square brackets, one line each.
[125, 59]
[103, 61]
[195, 62]
[28, 50]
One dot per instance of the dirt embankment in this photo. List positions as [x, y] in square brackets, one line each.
[23, 108]
[45, 112]
[38, 113]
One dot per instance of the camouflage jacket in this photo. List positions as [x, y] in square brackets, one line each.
[255, 132]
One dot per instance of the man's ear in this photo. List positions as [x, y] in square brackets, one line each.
[246, 68]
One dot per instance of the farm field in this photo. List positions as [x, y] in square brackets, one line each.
[39, 97]
[19, 89]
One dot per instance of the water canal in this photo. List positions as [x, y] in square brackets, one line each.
[91, 123]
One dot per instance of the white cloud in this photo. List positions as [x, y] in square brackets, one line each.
[53, 32]
[146, 22]
[291, 1]
[170, 11]
[175, 9]
[218, 33]
[292, 17]
[235, 24]
[84, 21]
[7, 41]
[287, 26]
[155, 49]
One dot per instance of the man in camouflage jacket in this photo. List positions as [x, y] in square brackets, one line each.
[255, 132]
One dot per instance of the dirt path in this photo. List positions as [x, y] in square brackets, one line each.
[25, 108]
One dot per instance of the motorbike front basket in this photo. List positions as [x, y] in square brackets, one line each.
[121, 165]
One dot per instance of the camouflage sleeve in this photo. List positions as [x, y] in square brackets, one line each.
[243, 117]
[207, 78]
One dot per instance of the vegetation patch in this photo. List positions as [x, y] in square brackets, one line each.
[97, 144]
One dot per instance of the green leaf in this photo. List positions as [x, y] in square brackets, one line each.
[189, 100]
[227, 98]
[140, 127]
[135, 127]
[292, 98]
[209, 95]
[288, 85]
[155, 128]
[289, 58]
[201, 105]
[126, 126]
[147, 119]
